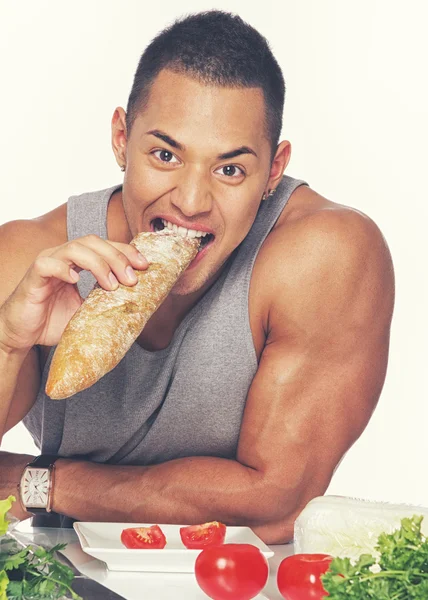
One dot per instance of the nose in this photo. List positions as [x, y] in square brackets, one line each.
[192, 196]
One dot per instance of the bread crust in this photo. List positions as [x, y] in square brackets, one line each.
[108, 322]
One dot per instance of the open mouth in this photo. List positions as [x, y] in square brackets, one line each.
[205, 237]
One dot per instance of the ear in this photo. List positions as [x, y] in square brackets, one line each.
[279, 164]
[119, 136]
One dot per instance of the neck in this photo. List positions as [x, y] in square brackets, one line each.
[117, 224]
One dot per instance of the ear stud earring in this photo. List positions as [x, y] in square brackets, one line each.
[270, 193]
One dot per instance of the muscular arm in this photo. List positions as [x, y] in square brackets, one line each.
[329, 300]
[37, 298]
[20, 370]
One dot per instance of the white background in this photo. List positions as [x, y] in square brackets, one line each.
[356, 113]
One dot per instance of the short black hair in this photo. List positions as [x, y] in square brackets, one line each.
[216, 48]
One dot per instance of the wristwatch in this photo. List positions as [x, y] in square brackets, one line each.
[36, 485]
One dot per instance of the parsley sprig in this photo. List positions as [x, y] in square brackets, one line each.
[31, 573]
[36, 574]
[401, 572]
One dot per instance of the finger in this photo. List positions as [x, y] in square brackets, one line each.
[137, 260]
[47, 267]
[122, 258]
[118, 255]
[111, 251]
[79, 256]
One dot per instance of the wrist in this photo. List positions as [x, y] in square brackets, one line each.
[63, 469]
[11, 468]
[7, 346]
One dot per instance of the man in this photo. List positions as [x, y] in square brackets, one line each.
[265, 362]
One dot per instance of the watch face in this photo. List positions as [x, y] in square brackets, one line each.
[35, 487]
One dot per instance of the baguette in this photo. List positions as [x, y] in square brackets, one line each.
[108, 322]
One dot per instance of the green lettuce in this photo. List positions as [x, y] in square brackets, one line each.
[4, 581]
[5, 506]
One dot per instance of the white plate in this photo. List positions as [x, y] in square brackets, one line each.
[102, 540]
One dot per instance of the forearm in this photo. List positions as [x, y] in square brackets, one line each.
[186, 490]
[10, 366]
[11, 468]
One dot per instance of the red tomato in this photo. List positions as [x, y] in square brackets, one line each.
[298, 576]
[201, 536]
[231, 571]
[143, 537]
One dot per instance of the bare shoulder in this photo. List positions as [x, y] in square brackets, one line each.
[310, 220]
[323, 258]
[41, 232]
[22, 240]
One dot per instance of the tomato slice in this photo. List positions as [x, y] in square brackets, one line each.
[143, 537]
[299, 576]
[201, 536]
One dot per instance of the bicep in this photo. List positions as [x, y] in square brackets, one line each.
[306, 408]
[323, 366]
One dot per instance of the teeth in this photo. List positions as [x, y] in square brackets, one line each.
[191, 233]
[167, 224]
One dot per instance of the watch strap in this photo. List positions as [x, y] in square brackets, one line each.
[43, 461]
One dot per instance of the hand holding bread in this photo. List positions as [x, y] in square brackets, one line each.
[41, 305]
[109, 321]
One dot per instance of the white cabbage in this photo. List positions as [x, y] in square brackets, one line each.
[349, 527]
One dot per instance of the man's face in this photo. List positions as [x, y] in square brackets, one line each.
[198, 158]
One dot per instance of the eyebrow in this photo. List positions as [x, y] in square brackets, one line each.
[226, 155]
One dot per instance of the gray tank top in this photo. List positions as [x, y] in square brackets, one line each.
[185, 400]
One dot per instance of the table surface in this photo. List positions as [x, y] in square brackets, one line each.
[156, 586]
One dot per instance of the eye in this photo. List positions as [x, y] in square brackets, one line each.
[165, 156]
[231, 171]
